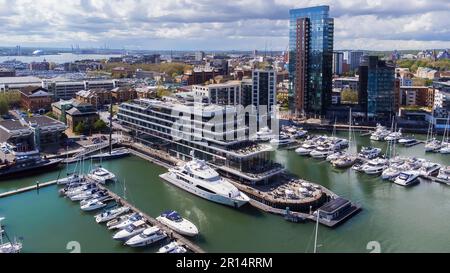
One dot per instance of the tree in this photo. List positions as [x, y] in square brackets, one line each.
[99, 125]
[349, 96]
[79, 128]
[4, 107]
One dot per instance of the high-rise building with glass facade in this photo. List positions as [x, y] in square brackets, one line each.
[377, 87]
[310, 59]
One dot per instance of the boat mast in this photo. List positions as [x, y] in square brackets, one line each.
[317, 230]
[110, 128]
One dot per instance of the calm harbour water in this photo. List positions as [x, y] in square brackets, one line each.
[401, 219]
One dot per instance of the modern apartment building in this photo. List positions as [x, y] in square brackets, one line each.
[228, 93]
[353, 59]
[310, 59]
[215, 133]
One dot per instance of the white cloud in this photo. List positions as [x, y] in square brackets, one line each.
[208, 24]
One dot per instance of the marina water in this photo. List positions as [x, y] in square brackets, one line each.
[392, 216]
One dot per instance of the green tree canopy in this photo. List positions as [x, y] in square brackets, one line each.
[100, 125]
[4, 107]
[80, 128]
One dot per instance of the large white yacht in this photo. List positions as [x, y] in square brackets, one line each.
[407, 178]
[282, 141]
[322, 152]
[198, 178]
[380, 133]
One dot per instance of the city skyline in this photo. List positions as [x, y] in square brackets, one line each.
[207, 25]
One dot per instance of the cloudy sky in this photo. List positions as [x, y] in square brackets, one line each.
[216, 24]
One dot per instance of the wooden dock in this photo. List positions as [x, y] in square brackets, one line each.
[29, 188]
[177, 237]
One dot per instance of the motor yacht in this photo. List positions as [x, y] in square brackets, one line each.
[200, 179]
[334, 156]
[102, 175]
[394, 136]
[87, 194]
[174, 221]
[433, 146]
[118, 220]
[110, 214]
[345, 161]
[281, 141]
[380, 133]
[170, 247]
[375, 166]
[131, 230]
[407, 178]
[123, 223]
[147, 237]
[444, 175]
[322, 152]
[445, 148]
[369, 152]
[265, 134]
[80, 189]
[429, 169]
[92, 205]
[306, 148]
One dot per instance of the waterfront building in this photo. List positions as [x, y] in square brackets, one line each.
[32, 132]
[441, 102]
[310, 59]
[66, 89]
[377, 87]
[338, 62]
[96, 97]
[214, 132]
[35, 99]
[422, 96]
[264, 96]
[228, 93]
[73, 112]
[335, 209]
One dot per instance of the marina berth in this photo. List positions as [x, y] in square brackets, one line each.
[322, 152]
[375, 166]
[181, 225]
[101, 196]
[169, 248]
[429, 169]
[369, 152]
[444, 175]
[112, 223]
[433, 145]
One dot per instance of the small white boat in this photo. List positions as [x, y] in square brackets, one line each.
[131, 230]
[99, 196]
[334, 156]
[147, 237]
[380, 133]
[70, 179]
[265, 134]
[87, 194]
[123, 224]
[80, 189]
[110, 214]
[407, 178]
[93, 204]
[345, 161]
[102, 175]
[172, 247]
[179, 224]
[394, 136]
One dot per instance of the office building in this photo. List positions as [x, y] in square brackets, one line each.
[310, 59]
[377, 87]
[353, 59]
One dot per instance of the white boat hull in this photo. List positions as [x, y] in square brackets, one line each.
[232, 202]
